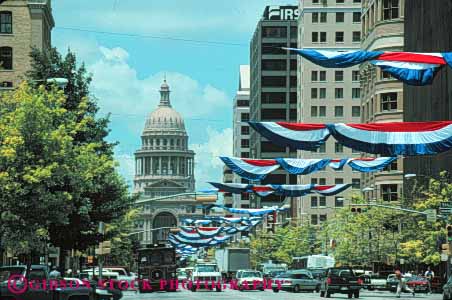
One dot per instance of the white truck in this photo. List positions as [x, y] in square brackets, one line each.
[230, 260]
[205, 275]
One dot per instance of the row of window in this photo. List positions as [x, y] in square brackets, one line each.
[320, 111]
[279, 32]
[278, 98]
[317, 202]
[278, 81]
[278, 65]
[320, 76]
[156, 142]
[337, 1]
[315, 219]
[321, 36]
[274, 114]
[388, 103]
[390, 10]
[6, 58]
[320, 93]
[321, 17]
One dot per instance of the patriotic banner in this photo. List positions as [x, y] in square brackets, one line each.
[252, 169]
[338, 164]
[235, 188]
[302, 166]
[208, 232]
[397, 138]
[288, 190]
[188, 234]
[197, 242]
[330, 190]
[367, 165]
[409, 67]
[296, 135]
[252, 211]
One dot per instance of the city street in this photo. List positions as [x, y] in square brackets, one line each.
[236, 295]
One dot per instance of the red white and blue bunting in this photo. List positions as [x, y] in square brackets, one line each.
[388, 139]
[307, 166]
[331, 190]
[409, 67]
[253, 169]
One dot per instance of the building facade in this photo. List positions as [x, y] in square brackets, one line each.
[241, 130]
[164, 170]
[24, 24]
[382, 94]
[273, 88]
[328, 96]
[427, 29]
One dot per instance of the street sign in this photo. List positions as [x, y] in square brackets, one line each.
[444, 257]
[431, 215]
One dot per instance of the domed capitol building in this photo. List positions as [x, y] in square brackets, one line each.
[164, 173]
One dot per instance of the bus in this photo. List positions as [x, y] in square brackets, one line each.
[313, 262]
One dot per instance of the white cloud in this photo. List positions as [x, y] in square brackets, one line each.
[208, 167]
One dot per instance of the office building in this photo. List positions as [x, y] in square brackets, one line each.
[328, 96]
[273, 88]
[382, 94]
[24, 24]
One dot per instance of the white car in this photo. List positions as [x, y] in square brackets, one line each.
[205, 273]
[123, 274]
[250, 280]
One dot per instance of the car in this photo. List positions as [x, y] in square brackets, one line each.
[392, 283]
[318, 274]
[123, 273]
[182, 274]
[374, 282]
[341, 280]
[249, 280]
[203, 273]
[418, 284]
[296, 281]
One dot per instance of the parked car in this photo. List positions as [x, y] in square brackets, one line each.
[296, 281]
[340, 280]
[391, 283]
[418, 284]
[374, 282]
[246, 280]
[318, 274]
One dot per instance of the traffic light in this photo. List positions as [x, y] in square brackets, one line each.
[449, 232]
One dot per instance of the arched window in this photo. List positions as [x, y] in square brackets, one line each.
[6, 58]
[6, 22]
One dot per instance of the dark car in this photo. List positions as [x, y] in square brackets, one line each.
[418, 284]
[340, 280]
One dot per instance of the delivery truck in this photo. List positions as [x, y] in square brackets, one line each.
[230, 260]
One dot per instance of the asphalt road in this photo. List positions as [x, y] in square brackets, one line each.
[267, 295]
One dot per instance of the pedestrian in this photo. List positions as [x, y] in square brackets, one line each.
[401, 285]
[55, 274]
[429, 274]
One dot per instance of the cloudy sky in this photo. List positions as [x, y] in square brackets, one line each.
[129, 46]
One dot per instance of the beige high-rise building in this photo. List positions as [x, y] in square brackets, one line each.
[382, 95]
[24, 24]
[328, 96]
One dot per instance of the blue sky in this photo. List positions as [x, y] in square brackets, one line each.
[119, 42]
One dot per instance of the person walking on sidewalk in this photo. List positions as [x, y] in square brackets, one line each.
[402, 286]
[429, 274]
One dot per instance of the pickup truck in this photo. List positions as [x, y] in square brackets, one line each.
[37, 273]
[374, 282]
[340, 280]
[205, 273]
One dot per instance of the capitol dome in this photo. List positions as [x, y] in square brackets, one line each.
[164, 117]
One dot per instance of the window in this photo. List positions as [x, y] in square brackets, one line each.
[315, 17]
[338, 180]
[293, 32]
[6, 58]
[245, 143]
[314, 93]
[6, 84]
[323, 37]
[338, 148]
[293, 97]
[314, 220]
[322, 201]
[273, 98]
[293, 64]
[245, 155]
[339, 93]
[356, 1]
[314, 76]
[322, 94]
[389, 192]
[388, 101]
[356, 36]
[340, 17]
[273, 81]
[385, 75]
[355, 76]
[338, 111]
[356, 183]
[314, 111]
[356, 93]
[356, 111]
[315, 1]
[322, 181]
[293, 115]
[293, 81]
[314, 180]
[356, 17]
[269, 147]
[339, 75]
[271, 114]
[391, 167]
[243, 103]
[322, 75]
[314, 202]
[339, 1]
[390, 9]
[315, 37]
[321, 149]
[322, 218]
[339, 201]
[245, 130]
[274, 48]
[6, 22]
[244, 117]
[274, 32]
[339, 36]
[274, 65]
[322, 111]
